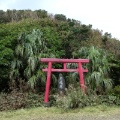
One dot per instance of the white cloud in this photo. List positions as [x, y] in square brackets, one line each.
[5, 4]
[102, 14]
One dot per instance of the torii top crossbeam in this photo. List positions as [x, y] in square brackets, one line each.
[56, 60]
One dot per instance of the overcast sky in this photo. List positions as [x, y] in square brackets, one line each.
[102, 14]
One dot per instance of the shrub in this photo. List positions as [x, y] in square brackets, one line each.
[75, 98]
[16, 100]
[34, 100]
[117, 90]
[110, 99]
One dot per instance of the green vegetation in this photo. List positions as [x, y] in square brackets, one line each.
[98, 76]
[26, 36]
[30, 48]
[55, 113]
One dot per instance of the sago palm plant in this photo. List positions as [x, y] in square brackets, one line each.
[26, 65]
[97, 77]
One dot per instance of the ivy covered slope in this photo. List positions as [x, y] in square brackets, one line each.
[63, 38]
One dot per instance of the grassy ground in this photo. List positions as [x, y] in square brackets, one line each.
[42, 113]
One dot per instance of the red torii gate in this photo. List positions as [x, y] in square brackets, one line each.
[80, 70]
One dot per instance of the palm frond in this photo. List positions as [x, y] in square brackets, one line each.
[19, 50]
[32, 62]
[27, 72]
[13, 64]
[32, 81]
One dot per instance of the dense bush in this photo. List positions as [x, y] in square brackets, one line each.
[75, 98]
[16, 100]
[110, 99]
[117, 90]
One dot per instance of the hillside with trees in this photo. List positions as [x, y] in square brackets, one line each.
[26, 36]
